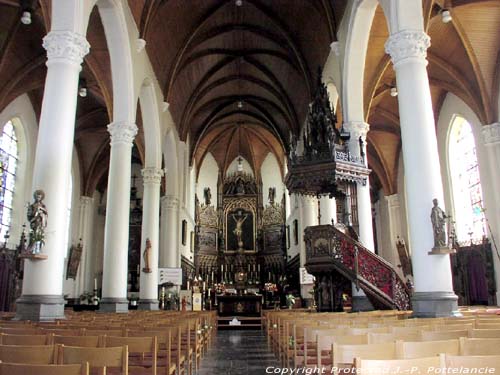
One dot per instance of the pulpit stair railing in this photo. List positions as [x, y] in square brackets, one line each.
[328, 249]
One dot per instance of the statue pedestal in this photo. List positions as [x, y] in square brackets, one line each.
[442, 250]
[31, 256]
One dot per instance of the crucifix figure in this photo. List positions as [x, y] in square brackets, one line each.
[238, 230]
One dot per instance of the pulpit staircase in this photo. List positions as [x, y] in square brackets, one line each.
[330, 250]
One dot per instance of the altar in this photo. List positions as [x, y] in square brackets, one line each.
[239, 305]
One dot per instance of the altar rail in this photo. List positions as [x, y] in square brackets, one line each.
[328, 249]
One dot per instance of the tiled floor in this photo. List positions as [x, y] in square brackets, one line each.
[238, 353]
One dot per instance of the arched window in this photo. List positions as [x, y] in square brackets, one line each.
[466, 184]
[8, 166]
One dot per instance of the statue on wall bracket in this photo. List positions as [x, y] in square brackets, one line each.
[37, 216]
[438, 219]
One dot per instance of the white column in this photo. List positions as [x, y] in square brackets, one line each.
[86, 273]
[393, 226]
[116, 232]
[42, 285]
[328, 210]
[432, 273]
[169, 254]
[360, 130]
[491, 139]
[308, 218]
[150, 231]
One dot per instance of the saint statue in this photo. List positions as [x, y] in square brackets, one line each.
[37, 217]
[208, 196]
[147, 257]
[238, 231]
[272, 195]
[438, 218]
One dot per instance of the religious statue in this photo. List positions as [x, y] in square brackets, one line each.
[208, 196]
[238, 231]
[147, 257]
[37, 217]
[361, 148]
[272, 195]
[438, 218]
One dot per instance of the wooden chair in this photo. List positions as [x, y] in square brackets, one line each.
[41, 355]
[100, 358]
[323, 357]
[7, 339]
[484, 333]
[473, 362]
[138, 347]
[85, 341]
[408, 350]
[30, 369]
[479, 346]
[343, 355]
[102, 332]
[425, 365]
[22, 331]
[443, 335]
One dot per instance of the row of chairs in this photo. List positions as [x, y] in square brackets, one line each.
[300, 338]
[173, 343]
[442, 364]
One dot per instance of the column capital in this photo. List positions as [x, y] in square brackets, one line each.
[169, 202]
[86, 201]
[335, 47]
[392, 200]
[65, 46]
[122, 133]
[152, 175]
[408, 45]
[357, 129]
[491, 134]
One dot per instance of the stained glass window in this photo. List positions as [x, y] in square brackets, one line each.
[8, 165]
[466, 184]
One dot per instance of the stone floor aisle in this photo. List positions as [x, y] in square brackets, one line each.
[238, 353]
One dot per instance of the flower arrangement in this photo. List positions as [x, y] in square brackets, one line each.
[219, 288]
[270, 287]
[290, 300]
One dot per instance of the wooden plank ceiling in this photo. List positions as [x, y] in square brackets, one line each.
[239, 78]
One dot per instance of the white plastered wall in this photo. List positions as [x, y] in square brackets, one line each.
[454, 106]
[271, 177]
[21, 109]
[207, 177]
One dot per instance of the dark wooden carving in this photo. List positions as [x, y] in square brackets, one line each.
[330, 251]
[75, 254]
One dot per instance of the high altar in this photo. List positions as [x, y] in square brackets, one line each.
[240, 245]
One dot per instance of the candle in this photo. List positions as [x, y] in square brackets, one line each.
[188, 285]
[95, 283]
[258, 267]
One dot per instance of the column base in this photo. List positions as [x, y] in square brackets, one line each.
[148, 304]
[116, 305]
[40, 307]
[361, 303]
[434, 304]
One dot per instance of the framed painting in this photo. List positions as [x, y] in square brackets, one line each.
[75, 254]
